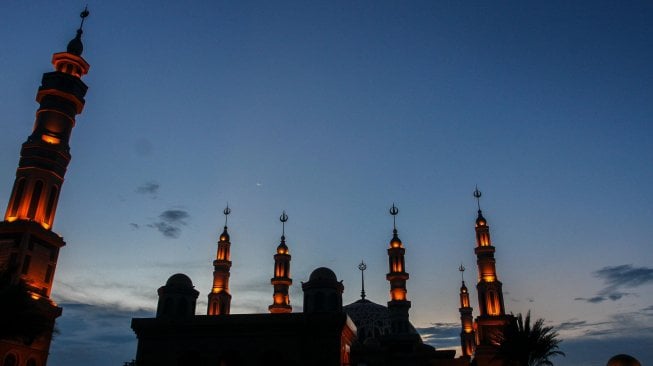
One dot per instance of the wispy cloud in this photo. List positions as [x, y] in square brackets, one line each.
[151, 188]
[618, 278]
[170, 223]
[441, 335]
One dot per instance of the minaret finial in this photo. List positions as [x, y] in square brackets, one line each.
[283, 218]
[462, 272]
[75, 46]
[83, 15]
[226, 213]
[394, 211]
[362, 267]
[478, 194]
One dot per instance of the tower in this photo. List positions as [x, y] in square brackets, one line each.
[219, 297]
[281, 280]
[492, 319]
[467, 336]
[28, 247]
[398, 305]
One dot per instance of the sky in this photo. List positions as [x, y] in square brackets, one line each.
[333, 111]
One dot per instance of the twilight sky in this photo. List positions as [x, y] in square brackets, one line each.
[333, 110]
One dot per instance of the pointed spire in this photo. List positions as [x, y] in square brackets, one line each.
[395, 242]
[283, 248]
[362, 267]
[225, 235]
[462, 273]
[75, 46]
[480, 220]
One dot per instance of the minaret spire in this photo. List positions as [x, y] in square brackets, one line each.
[281, 280]
[467, 336]
[397, 276]
[219, 297]
[30, 248]
[362, 267]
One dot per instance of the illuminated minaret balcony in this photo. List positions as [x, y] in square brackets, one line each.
[281, 280]
[219, 297]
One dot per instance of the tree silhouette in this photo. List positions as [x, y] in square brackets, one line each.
[526, 345]
[21, 317]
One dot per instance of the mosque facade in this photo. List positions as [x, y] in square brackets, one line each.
[324, 333]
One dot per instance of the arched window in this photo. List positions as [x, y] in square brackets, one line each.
[36, 196]
[10, 360]
[50, 206]
[18, 196]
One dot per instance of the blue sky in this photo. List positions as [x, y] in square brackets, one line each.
[333, 110]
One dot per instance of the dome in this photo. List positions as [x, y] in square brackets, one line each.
[480, 221]
[372, 320]
[179, 280]
[75, 46]
[623, 360]
[323, 273]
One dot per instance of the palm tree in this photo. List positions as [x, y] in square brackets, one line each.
[527, 345]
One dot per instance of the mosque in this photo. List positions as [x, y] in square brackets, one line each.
[324, 333]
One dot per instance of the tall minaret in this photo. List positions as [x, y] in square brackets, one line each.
[398, 305]
[492, 320]
[28, 247]
[467, 336]
[220, 298]
[490, 294]
[281, 280]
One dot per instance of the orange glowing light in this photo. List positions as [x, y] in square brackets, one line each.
[50, 139]
[45, 225]
[12, 218]
[35, 296]
[398, 294]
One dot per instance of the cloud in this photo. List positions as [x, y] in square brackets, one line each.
[624, 275]
[441, 335]
[171, 222]
[617, 278]
[94, 335]
[148, 188]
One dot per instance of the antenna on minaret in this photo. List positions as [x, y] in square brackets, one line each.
[394, 211]
[478, 195]
[283, 218]
[462, 272]
[226, 213]
[83, 15]
[362, 267]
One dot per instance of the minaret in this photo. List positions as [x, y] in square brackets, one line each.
[281, 280]
[220, 298]
[467, 336]
[28, 247]
[490, 294]
[397, 276]
[492, 320]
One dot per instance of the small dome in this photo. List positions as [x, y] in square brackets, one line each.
[179, 280]
[623, 360]
[225, 235]
[75, 46]
[480, 220]
[323, 273]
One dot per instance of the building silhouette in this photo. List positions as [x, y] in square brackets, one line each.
[29, 248]
[325, 332]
